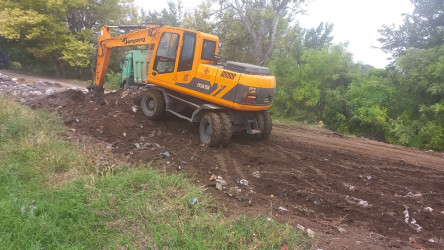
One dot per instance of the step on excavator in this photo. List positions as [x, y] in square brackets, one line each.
[181, 75]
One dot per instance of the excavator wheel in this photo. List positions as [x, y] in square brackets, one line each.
[210, 129]
[264, 124]
[225, 123]
[153, 104]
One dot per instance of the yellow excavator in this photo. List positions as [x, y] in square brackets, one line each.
[181, 75]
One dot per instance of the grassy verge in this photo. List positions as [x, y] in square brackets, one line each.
[53, 196]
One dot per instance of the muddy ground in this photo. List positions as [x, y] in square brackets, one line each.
[354, 193]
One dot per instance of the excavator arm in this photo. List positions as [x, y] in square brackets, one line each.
[106, 43]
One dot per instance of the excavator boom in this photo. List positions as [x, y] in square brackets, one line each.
[106, 43]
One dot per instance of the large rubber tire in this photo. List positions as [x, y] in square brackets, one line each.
[153, 104]
[225, 122]
[210, 129]
[264, 124]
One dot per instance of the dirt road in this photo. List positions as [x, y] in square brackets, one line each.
[354, 193]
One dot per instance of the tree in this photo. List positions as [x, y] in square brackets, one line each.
[261, 19]
[172, 16]
[422, 29]
[60, 32]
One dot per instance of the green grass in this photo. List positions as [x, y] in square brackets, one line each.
[53, 196]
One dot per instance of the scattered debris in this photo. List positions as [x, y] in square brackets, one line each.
[166, 154]
[243, 182]
[256, 174]
[193, 201]
[315, 202]
[434, 240]
[365, 177]
[212, 177]
[342, 230]
[300, 227]
[310, 233]
[283, 208]
[134, 108]
[412, 195]
[416, 226]
[142, 146]
[349, 187]
[428, 209]
[220, 183]
[357, 201]
[179, 168]
[406, 214]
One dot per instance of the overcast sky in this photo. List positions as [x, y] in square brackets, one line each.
[355, 21]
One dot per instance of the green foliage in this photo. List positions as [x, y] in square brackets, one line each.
[306, 82]
[59, 34]
[15, 66]
[422, 29]
[112, 80]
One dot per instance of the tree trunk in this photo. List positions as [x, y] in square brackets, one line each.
[264, 28]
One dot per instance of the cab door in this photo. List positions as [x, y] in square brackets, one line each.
[164, 66]
[186, 63]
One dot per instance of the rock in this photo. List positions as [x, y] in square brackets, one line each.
[310, 233]
[300, 227]
[342, 230]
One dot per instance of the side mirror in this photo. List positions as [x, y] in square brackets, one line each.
[121, 64]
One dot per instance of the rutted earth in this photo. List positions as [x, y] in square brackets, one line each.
[354, 193]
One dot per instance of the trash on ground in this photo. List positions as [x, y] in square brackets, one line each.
[193, 201]
[310, 233]
[415, 225]
[256, 174]
[243, 182]
[406, 214]
[349, 187]
[134, 108]
[412, 195]
[212, 177]
[300, 227]
[220, 183]
[428, 209]
[49, 92]
[283, 208]
[166, 154]
[142, 146]
[342, 230]
[359, 202]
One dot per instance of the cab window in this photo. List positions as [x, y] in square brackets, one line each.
[187, 53]
[208, 50]
[166, 53]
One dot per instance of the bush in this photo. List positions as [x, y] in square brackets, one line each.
[16, 66]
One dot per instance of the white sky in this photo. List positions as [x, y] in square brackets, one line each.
[355, 21]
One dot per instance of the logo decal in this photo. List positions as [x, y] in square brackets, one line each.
[133, 41]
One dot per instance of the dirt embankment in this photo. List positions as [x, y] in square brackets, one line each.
[353, 192]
